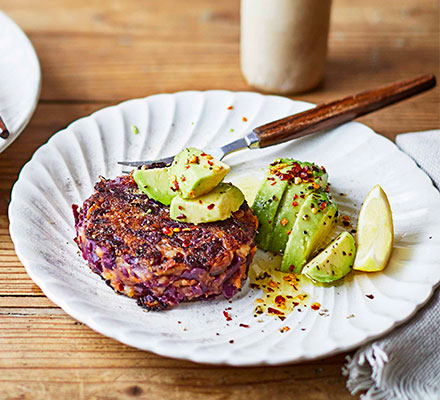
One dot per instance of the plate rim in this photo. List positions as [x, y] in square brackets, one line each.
[119, 335]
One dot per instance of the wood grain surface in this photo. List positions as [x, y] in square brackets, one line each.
[94, 53]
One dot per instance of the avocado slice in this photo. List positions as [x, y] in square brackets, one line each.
[194, 173]
[313, 223]
[283, 173]
[268, 199]
[334, 262]
[291, 203]
[155, 184]
[216, 205]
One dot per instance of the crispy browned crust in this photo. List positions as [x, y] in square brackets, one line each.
[131, 242]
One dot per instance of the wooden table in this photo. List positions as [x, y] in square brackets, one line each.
[99, 52]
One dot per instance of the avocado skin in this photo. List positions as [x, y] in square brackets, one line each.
[155, 184]
[334, 262]
[309, 230]
[194, 173]
[291, 203]
[217, 205]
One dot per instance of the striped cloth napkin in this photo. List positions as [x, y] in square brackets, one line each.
[405, 364]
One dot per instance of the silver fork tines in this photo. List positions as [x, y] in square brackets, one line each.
[166, 160]
[249, 141]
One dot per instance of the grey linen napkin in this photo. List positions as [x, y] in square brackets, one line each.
[405, 364]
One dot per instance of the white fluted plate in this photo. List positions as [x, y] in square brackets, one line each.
[20, 79]
[63, 171]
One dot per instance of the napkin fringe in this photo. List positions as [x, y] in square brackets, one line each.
[366, 373]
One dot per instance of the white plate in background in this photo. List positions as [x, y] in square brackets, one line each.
[64, 170]
[20, 79]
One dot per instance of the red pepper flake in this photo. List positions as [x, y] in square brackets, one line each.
[193, 160]
[345, 220]
[167, 231]
[210, 163]
[323, 205]
[187, 167]
[295, 197]
[280, 301]
[180, 208]
[273, 183]
[174, 183]
[315, 306]
[183, 178]
[231, 341]
[284, 221]
[258, 310]
[181, 216]
[271, 310]
[244, 119]
[289, 278]
[284, 329]
[295, 204]
[370, 296]
[289, 231]
[179, 322]
[211, 206]
[243, 326]
[227, 316]
[230, 107]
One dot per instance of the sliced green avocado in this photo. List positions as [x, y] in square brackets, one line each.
[268, 199]
[291, 203]
[313, 223]
[194, 173]
[216, 205]
[155, 184]
[282, 173]
[334, 262]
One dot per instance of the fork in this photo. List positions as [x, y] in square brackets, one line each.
[323, 117]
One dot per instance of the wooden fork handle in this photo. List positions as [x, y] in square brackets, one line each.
[330, 115]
